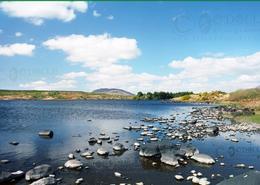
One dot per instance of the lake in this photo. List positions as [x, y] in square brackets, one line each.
[74, 122]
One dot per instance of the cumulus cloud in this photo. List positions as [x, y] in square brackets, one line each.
[96, 13]
[95, 51]
[207, 67]
[37, 12]
[103, 55]
[17, 49]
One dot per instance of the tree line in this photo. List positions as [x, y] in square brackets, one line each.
[160, 95]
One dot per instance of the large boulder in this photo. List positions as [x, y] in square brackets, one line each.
[45, 181]
[203, 158]
[248, 178]
[38, 172]
[149, 150]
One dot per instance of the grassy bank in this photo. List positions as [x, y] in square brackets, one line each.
[246, 98]
[250, 119]
[56, 95]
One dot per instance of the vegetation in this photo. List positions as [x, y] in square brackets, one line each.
[159, 95]
[56, 95]
[250, 119]
[247, 98]
[214, 96]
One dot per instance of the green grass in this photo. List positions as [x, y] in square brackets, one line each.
[251, 119]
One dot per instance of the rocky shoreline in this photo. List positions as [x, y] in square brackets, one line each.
[161, 139]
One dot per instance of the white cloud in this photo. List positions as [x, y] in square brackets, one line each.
[43, 85]
[1, 31]
[17, 49]
[103, 55]
[110, 17]
[206, 67]
[96, 13]
[18, 34]
[37, 12]
[73, 75]
[95, 51]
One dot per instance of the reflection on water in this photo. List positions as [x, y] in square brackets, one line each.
[74, 122]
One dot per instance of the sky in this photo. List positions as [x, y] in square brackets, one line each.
[135, 46]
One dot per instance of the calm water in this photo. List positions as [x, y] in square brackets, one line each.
[21, 121]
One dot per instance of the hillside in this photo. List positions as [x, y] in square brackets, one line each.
[113, 91]
[55, 95]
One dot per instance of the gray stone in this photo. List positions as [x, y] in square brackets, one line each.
[102, 151]
[169, 156]
[203, 158]
[118, 147]
[46, 133]
[45, 181]
[149, 150]
[73, 163]
[38, 172]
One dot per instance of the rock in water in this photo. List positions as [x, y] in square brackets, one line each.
[45, 181]
[203, 158]
[73, 163]
[212, 130]
[179, 177]
[189, 150]
[118, 147]
[102, 151]
[38, 172]
[14, 143]
[9, 176]
[149, 150]
[92, 140]
[168, 156]
[248, 178]
[46, 133]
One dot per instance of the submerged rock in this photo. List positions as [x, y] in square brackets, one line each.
[248, 178]
[38, 172]
[203, 158]
[149, 150]
[45, 181]
[73, 163]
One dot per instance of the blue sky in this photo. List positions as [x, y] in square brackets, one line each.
[147, 46]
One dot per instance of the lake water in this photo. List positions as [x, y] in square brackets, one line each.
[22, 120]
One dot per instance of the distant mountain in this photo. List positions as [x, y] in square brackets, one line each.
[113, 91]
